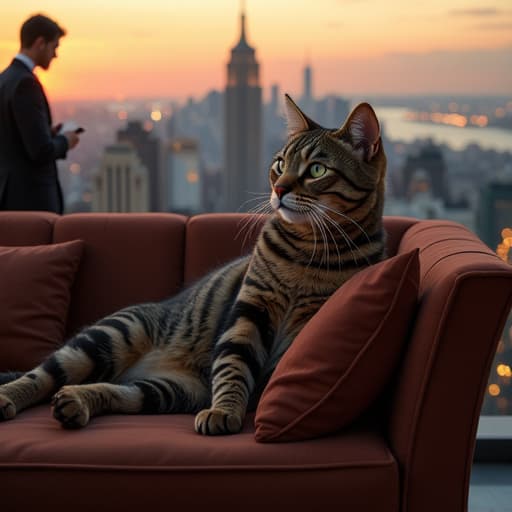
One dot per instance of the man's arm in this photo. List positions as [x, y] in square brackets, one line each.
[29, 109]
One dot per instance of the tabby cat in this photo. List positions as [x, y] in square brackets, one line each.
[211, 349]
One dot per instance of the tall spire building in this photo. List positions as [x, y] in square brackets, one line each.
[244, 174]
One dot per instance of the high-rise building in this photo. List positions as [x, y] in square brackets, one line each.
[274, 131]
[308, 93]
[121, 184]
[331, 111]
[275, 96]
[306, 102]
[244, 175]
[148, 149]
[494, 212]
[430, 162]
[183, 178]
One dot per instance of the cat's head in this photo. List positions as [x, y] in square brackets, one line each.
[331, 173]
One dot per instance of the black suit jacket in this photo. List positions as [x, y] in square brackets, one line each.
[28, 150]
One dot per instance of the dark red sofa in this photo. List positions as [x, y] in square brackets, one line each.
[412, 454]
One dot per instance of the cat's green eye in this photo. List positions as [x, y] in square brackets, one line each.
[278, 166]
[317, 170]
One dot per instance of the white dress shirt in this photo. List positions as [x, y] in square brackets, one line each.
[26, 60]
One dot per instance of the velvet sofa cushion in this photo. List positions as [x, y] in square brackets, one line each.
[35, 283]
[158, 463]
[344, 356]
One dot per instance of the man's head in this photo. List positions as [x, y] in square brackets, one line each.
[39, 37]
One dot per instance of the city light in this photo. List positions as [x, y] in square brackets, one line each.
[499, 403]
[452, 119]
[156, 115]
[494, 390]
[500, 112]
[74, 168]
[503, 249]
[503, 370]
[480, 121]
[192, 176]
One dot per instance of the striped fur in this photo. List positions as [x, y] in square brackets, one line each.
[211, 349]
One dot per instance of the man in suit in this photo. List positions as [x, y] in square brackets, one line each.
[29, 145]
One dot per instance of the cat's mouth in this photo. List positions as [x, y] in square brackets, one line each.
[287, 210]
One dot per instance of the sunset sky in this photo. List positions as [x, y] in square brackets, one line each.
[171, 48]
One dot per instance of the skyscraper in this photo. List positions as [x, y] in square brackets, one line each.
[183, 177]
[494, 211]
[121, 183]
[148, 149]
[430, 161]
[308, 95]
[244, 174]
[307, 102]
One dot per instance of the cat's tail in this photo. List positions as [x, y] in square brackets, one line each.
[6, 377]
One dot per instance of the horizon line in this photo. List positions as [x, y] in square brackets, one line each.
[346, 96]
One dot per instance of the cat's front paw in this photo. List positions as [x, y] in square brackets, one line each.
[69, 409]
[216, 422]
[7, 408]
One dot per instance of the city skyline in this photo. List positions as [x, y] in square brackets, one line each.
[158, 49]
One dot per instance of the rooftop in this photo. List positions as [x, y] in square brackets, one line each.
[490, 488]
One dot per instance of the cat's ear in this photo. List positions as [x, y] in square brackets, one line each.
[362, 130]
[296, 120]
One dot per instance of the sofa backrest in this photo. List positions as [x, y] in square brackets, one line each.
[26, 228]
[214, 239]
[128, 259]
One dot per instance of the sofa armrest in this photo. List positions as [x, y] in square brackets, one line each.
[465, 297]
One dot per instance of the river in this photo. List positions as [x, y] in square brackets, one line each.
[397, 128]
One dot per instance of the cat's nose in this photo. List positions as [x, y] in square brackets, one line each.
[281, 191]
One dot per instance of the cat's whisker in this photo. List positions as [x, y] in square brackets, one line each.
[347, 238]
[258, 197]
[305, 206]
[335, 241]
[340, 263]
[347, 217]
[321, 226]
[350, 243]
[258, 212]
[261, 208]
[251, 222]
[326, 219]
[340, 230]
[312, 224]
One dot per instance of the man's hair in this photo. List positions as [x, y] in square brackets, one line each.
[39, 26]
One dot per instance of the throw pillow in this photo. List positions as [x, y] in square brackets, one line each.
[343, 357]
[35, 283]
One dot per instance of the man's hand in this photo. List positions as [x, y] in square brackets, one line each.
[73, 139]
[56, 129]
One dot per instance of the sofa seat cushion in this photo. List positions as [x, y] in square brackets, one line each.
[159, 461]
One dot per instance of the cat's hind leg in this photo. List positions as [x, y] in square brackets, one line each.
[31, 388]
[75, 405]
[98, 353]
